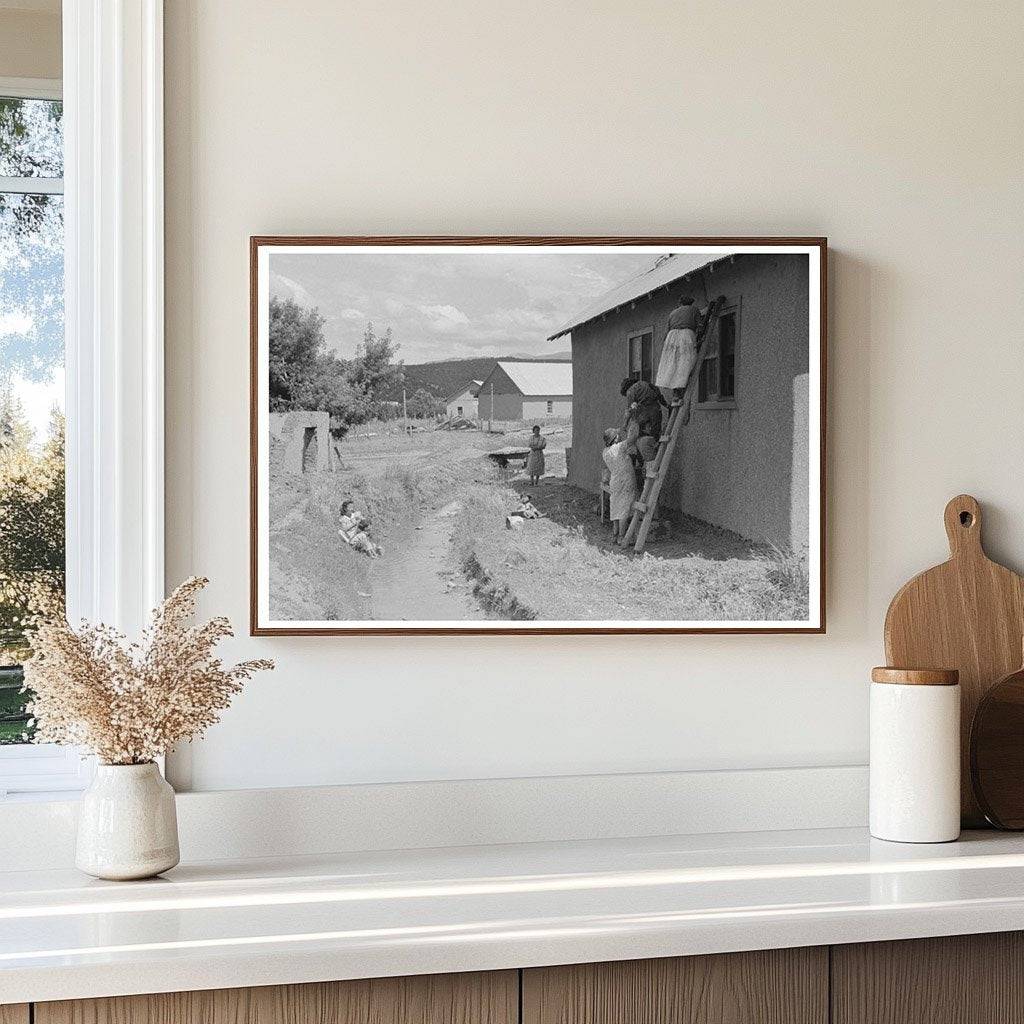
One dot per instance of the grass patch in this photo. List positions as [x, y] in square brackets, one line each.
[316, 575]
[497, 598]
[556, 572]
[562, 567]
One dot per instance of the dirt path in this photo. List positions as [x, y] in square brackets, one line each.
[417, 579]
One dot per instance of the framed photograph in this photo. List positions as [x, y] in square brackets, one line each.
[537, 435]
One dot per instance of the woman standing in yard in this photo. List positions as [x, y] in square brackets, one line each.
[680, 350]
[535, 460]
[621, 482]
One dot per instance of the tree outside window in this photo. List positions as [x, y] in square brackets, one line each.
[31, 386]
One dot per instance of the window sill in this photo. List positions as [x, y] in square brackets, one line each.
[42, 771]
[728, 405]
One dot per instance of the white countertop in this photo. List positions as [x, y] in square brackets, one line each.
[261, 922]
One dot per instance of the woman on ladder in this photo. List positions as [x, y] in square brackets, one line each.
[679, 352]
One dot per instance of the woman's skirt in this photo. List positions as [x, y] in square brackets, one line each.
[677, 358]
[535, 463]
[621, 494]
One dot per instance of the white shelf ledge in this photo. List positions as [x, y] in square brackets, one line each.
[353, 915]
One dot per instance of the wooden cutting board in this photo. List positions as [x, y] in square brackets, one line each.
[967, 614]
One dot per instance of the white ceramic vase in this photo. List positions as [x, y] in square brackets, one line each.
[127, 825]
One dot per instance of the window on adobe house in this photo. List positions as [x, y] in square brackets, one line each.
[551, 408]
[716, 383]
[640, 359]
[458, 411]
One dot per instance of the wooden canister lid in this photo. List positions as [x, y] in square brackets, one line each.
[916, 676]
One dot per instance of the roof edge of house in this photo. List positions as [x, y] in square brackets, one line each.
[568, 328]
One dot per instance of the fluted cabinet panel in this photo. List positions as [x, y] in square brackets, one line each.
[960, 979]
[480, 998]
[777, 986]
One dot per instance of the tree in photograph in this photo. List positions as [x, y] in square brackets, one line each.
[421, 404]
[296, 346]
[303, 374]
[374, 370]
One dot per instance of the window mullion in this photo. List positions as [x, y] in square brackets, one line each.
[32, 186]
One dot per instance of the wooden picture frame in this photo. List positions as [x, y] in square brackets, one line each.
[724, 254]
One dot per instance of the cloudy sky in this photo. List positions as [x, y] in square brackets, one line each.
[450, 306]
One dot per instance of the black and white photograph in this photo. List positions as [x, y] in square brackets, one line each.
[564, 435]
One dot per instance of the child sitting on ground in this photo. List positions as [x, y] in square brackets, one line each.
[353, 531]
[526, 510]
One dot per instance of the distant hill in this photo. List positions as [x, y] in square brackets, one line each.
[444, 377]
[552, 357]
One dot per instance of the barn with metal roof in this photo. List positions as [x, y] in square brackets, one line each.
[516, 390]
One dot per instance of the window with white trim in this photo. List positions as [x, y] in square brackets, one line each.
[112, 123]
[32, 560]
[32, 398]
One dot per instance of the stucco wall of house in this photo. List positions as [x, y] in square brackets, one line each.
[598, 366]
[536, 406]
[732, 467]
[799, 480]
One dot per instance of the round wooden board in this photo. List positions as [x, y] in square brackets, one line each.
[997, 752]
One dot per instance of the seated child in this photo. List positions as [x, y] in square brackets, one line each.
[353, 531]
[526, 510]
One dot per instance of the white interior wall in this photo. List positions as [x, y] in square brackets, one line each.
[895, 129]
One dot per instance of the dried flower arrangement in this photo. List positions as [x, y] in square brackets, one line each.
[129, 703]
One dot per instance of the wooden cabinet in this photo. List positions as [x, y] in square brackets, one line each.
[970, 979]
[490, 998]
[777, 986]
[962, 979]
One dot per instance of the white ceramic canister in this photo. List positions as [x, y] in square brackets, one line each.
[915, 755]
[127, 825]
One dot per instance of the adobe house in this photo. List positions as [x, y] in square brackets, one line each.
[463, 402]
[306, 439]
[742, 461]
[526, 391]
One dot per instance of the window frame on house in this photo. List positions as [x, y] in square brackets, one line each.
[715, 399]
[550, 407]
[629, 352]
[112, 90]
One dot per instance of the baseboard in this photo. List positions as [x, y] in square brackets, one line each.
[304, 821]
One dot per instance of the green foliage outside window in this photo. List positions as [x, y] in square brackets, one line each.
[31, 355]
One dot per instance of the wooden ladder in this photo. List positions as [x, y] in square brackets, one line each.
[646, 506]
